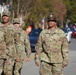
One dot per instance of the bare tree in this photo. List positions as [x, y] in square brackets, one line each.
[37, 9]
[59, 9]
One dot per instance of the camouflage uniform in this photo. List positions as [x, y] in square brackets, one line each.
[2, 49]
[11, 53]
[10, 47]
[52, 51]
[22, 46]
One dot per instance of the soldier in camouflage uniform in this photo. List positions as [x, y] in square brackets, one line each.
[22, 46]
[9, 39]
[2, 48]
[52, 49]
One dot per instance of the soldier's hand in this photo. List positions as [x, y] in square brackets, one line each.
[27, 59]
[37, 63]
[8, 61]
[64, 65]
[18, 59]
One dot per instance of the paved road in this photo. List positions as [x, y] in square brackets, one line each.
[29, 68]
[71, 68]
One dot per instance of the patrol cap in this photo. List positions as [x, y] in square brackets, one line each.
[16, 21]
[51, 18]
[6, 13]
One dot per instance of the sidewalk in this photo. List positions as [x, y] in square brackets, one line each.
[71, 68]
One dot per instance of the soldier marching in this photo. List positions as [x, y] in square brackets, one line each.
[22, 45]
[52, 49]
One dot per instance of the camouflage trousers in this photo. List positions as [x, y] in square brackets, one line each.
[50, 69]
[17, 68]
[8, 68]
[1, 65]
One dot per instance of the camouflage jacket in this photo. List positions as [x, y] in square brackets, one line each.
[9, 39]
[2, 43]
[22, 43]
[52, 46]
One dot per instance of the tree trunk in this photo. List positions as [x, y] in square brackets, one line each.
[62, 25]
[18, 7]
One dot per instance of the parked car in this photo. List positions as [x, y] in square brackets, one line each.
[33, 36]
[73, 32]
[68, 33]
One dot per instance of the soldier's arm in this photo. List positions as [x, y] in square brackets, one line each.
[65, 50]
[38, 49]
[5, 43]
[27, 46]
